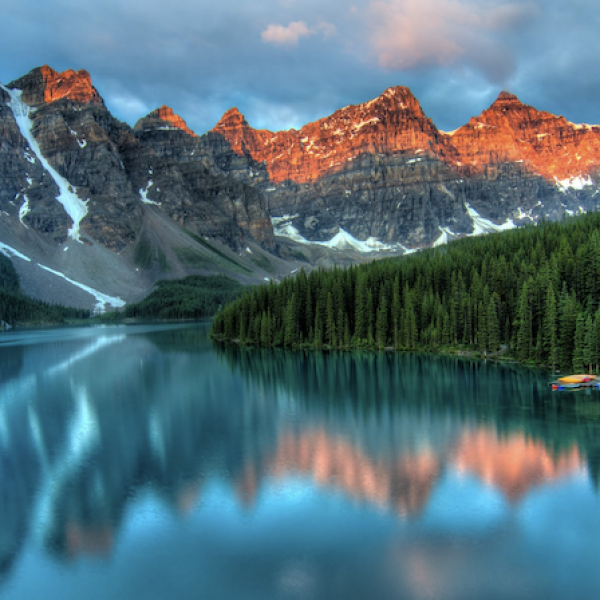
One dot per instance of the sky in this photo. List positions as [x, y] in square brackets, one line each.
[284, 63]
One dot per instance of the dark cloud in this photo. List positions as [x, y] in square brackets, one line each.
[286, 62]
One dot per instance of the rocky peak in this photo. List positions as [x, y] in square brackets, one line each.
[44, 85]
[504, 100]
[391, 123]
[398, 98]
[232, 119]
[395, 105]
[510, 131]
[161, 117]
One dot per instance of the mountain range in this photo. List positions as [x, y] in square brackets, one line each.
[94, 211]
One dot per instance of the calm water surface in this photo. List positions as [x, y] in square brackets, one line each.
[143, 463]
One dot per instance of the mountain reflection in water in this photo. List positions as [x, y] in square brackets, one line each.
[88, 425]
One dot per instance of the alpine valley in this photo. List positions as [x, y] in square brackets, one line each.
[94, 212]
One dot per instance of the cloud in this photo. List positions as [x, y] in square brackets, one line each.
[286, 36]
[407, 34]
[290, 35]
[201, 57]
[327, 29]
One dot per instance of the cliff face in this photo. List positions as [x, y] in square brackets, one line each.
[109, 167]
[168, 164]
[382, 172]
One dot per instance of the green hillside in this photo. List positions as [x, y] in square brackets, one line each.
[193, 297]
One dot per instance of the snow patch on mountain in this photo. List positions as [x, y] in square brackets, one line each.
[283, 227]
[102, 300]
[144, 195]
[445, 236]
[73, 205]
[364, 123]
[482, 225]
[579, 126]
[8, 251]
[576, 183]
[24, 210]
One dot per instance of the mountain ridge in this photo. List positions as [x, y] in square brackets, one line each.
[378, 176]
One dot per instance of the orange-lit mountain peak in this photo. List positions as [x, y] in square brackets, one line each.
[45, 85]
[394, 123]
[233, 118]
[166, 115]
[391, 123]
[75, 85]
[506, 99]
[398, 98]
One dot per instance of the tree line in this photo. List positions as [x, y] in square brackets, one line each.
[192, 297]
[532, 293]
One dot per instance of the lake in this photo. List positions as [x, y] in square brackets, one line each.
[144, 462]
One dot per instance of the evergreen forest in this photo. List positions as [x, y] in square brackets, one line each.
[192, 297]
[530, 294]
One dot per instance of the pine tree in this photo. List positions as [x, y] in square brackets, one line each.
[382, 322]
[360, 310]
[318, 334]
[551, 328]
[347, 338]
[596, 341]
[482, 337]
[330, 328]
[567, 317]
[579, 344]
[493, 327]
[290, 338]
[446, 329]
[396, 314]
[588, 352]
[524, 333]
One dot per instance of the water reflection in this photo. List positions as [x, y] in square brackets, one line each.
[403, 482]
[514, 465]
[90, 424]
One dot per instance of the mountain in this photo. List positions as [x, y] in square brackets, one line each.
[91, 200]
[382, 173]
[88, 202]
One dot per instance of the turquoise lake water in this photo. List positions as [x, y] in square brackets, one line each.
[144, 462]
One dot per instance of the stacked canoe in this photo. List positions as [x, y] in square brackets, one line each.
[572, 382]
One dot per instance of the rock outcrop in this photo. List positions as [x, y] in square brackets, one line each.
[44, 86]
